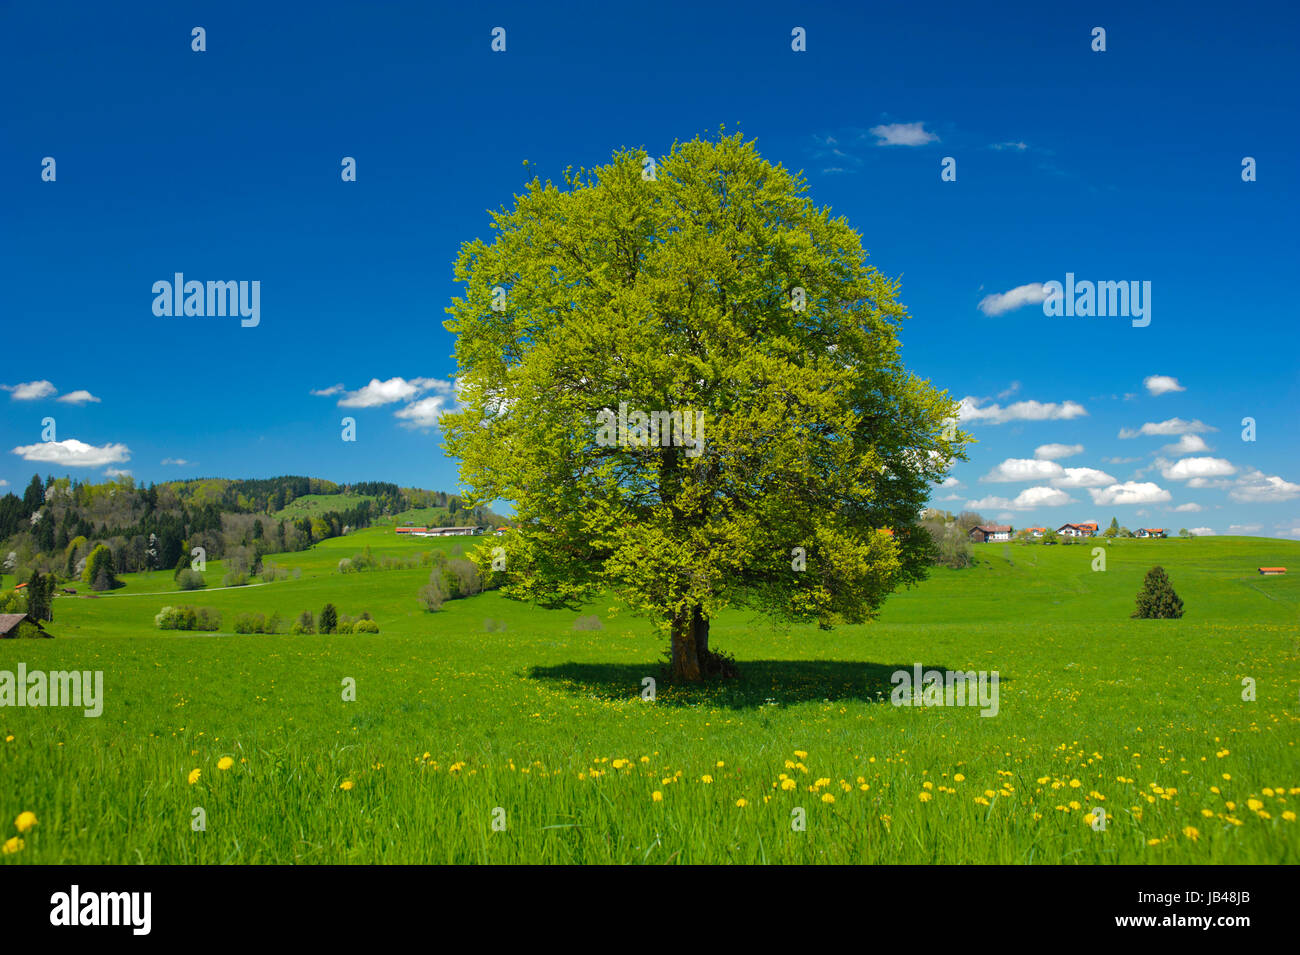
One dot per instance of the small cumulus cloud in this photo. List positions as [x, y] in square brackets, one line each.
[971, 411]
[1028, 499]
[79, 397]
[1054, 452]
[1187, 444]
[30, 390]
[1257, 487]
[1189, 468]
[1169, 427]
[73, 453]
[1130, 492]
[1161, 384]
[1035, 293]
[903, 134]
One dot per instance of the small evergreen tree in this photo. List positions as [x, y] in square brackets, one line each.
[329, 619]
[1157, 600]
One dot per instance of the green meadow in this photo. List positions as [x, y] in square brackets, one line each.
[494, 731]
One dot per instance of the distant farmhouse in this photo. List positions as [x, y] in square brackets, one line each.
[1086, 529]
[9, 625]
[1150, 532]
[408, 531]
[1035, 531]
[1271, 571]
[990, 532]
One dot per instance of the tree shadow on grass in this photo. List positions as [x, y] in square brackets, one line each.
[761, 682]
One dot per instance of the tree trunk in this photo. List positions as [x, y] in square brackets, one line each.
[690, 646]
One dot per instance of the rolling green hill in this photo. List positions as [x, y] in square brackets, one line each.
[491, 704]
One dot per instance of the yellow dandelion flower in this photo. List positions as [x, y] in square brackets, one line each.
[194, 775]
[25, 821]
[1289, 816]
[1254, 804]
[720, 764]
[742, 803]
[827, 798]
[1153, 842]
[1191, 832]
[802, 754]
[706, 778]
[789, 784]
[345, 785]
[959, 778]
[1207, 813]
[657, 796]
[224, 763]
[924, 796]
[12, 845]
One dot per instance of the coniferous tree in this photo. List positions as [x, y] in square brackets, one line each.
[1157, 600]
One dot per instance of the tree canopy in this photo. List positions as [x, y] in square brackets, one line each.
[708, 285]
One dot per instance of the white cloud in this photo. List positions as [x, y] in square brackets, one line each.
[79, 397]
[1188, 508]
[1053, 452]
[1083, 477]
[1189, 468]
[1244, 528]
[970, 411]
[179, 462]
[73, 453]
[1026, 500]
[1032, 294]
[395, 389]
[117, 472]
[423, 413]
[1203, 531]
[950, 482]
[1017, 146]
[1170, 427]
[1130, 492]
[1257, 487]
[903, 134]
[326, 392]
[1161, 384]
[1187, 444]
[1023, 469]
[30, 390]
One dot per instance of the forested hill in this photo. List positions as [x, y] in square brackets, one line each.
[57, 522]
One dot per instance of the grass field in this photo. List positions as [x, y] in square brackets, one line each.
[492, 710]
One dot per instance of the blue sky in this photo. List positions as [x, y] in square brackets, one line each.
[1123, 165]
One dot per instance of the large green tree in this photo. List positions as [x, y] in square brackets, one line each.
[707, 285]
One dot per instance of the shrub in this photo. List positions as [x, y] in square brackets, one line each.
[367, 626]
[329, 619]
[1157, 600]
[190, 580]
[434, 592]
[256, 623]
[234, 578]
[305, 623]
[187, 618]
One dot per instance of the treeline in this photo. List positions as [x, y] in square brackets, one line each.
[58, 523]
